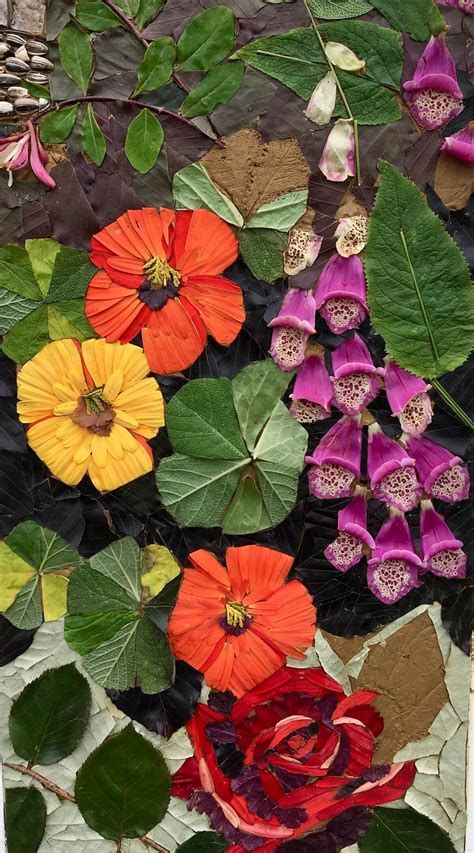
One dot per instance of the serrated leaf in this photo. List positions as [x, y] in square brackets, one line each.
[28, 556]
[25, 818]
[281, 213]
[104, 622]
[93, 140]
[57, 126]
[96, 16]
[148, 9]
[122, 789]
[419, 18]
[50, 716]
[262, 251]
[256, 391]
[217, 87]
[337, 9]
[419, 289]
[143, 141]
[203, 842]
[75, 53]
[156, 67]
[193, 188]
[404, 831]
[206, 40]
[57, 278]
[380, 47]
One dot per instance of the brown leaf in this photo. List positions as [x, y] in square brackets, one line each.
[454, 181]
[252, 172]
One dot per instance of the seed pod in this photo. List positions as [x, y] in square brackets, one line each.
[14, 39]
[40, 63]
[4, 49]
[43, 104]
[16, 66]
[26, 105]
[22, 53]
[5, 108]
[9, 79]
[36, 48]
[17, 92]
[35, 77]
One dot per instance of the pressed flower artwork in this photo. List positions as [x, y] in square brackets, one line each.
[236, 337]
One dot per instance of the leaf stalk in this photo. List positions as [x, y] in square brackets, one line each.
[419, 297]
[456, 408]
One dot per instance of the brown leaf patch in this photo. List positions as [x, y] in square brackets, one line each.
[252, 172]
[454, 181]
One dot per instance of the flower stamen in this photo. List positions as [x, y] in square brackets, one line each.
[236, 614]
[159, 273]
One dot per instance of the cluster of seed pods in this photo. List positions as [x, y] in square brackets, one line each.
[23, 61]
[402, 473]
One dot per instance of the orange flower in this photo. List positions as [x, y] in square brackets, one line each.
[160, 275]
[238, 626]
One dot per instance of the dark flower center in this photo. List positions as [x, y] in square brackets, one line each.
[94, 412]
[162, 283]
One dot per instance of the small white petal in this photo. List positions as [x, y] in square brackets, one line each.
[337, 160]
[323, 100]
[343, 57]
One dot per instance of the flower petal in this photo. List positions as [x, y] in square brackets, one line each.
[219, 303]
[172, 339]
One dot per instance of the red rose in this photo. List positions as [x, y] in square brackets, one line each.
[305, 752]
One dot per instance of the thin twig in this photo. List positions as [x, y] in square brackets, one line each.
[128, 23]
[148, 842]
[46, 783]
[456, 408]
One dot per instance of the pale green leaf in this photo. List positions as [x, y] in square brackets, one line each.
[93, 140]
[193, 188]
[256, 391]
[26, 611]
[279, 488]
[336, 9]
[156, 66]
[247, 512]
[128, 7]
[121, 562]
[419, 18]
[262, 250]
[283, 440]
[281, 213]
[206, 40]
[75, 53]
[143, 141]
[155, 662]
[419, 289]
[217, 87]
[42, 255]
[148, 9]
[113, 663]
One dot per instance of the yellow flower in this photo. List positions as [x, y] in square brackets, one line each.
[90, 408]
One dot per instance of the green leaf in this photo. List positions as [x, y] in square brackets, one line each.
[93, 140]
[256, 391]
[281, 213]
[419, 289]
[57, 126]
[104, 622]
[143, 141]
[156, 67]
[29, 553]
[217, 87]
[193, 188]
[160, 607]
[148, 9]
[54, 279]
[403, 831]
[380, 47]
[96, 16]
[50, 716]
[128, 7]
[282, 441]
[122, 789]
[336, 9]
[369, 103]
[201, 421]
[246, 512]
[206, 40]
[36, 89]
[262, 251]
[419, 18]
[295, 58]
[75, 53]
[204, 842]
[25, 813]
[279, 487]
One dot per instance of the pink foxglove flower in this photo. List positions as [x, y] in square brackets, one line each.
[393, 569]
[441, 552]
[464, 5]
[312, 392]
[341, 293]
[408, 399]
[22, 150]
[301, 251]
[323, 100]
[337, 161]
[356, 380]
[336, 461]
[391, 471]
[461, 144]
[442, 474]
[292, 327]
[347, 549]
[433, 93]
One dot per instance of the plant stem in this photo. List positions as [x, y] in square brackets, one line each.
[341, 93]
[420, 300]
[458, 411]
[46, 783]
[127, 22]
[148, 842]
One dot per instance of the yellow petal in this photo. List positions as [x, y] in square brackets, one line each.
[119, 472]
[161, 567]
[59, 457]
[66, 408]
[113, 385]
[54, 595]
[125, 420]
[63, 392]
[82, 453]
[99, 450]
[14, 573]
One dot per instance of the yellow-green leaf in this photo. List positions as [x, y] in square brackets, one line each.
[160, 567]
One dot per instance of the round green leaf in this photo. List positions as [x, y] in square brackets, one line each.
[206, 40]
[217, 87]
[122, 790]
[25, 814]
[93, 140]
[57, 126]
[403, 831]
[50, 716]
[96, 16]
[204, 842]
[156, 66]
[75, 53]
[143, 141]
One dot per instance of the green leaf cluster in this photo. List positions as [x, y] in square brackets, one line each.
[109, 625]
[297, 60]
[34, 567]
[238, 452]
[403, 831]
[419, 290]
[42, 289]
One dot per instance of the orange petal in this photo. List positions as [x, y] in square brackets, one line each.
[172, 339]
[115, 312]
[220, 304]
[208, 563]
[210, 245]
[256, 571]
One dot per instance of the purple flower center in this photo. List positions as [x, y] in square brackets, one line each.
[307, 412]
[450, 485]
[391, 578]
[162, 283]
[237, 618]
[399, 489]
[330, 481]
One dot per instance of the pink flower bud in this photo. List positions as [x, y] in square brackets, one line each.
[356, 381]
[461, 144]
[336, 461]
[292, 327]
[393, 569]
[347, 548]
[341, 293]
[441, 474]
[391, 471]
[464, 5]
[312, 392]
[433, 93]
[337, 161]
[323, 100]
[441, 552]
[408, 399]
